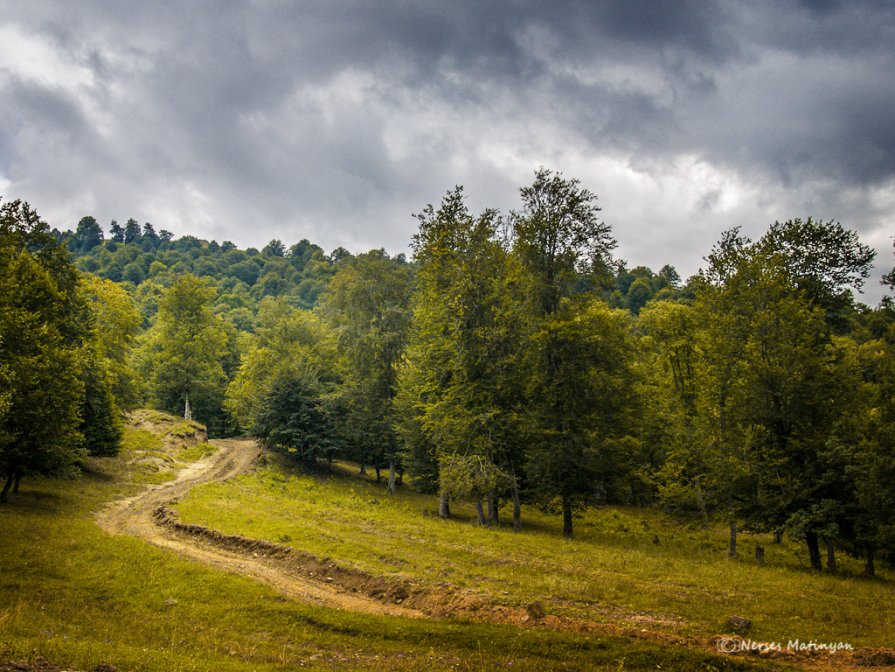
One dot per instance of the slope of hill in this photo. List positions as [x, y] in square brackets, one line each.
[80, 597]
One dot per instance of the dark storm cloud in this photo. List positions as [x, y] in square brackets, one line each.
[336, 120]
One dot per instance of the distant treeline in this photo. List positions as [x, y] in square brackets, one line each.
[513, 360]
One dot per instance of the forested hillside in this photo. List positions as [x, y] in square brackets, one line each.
[512, 362]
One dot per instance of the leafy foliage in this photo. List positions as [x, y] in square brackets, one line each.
[182, 356]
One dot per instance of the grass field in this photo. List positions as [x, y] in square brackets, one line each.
[626, 566]
[79, 597]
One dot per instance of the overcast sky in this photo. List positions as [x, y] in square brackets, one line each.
[335, 121]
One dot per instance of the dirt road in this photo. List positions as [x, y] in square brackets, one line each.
[135, 516]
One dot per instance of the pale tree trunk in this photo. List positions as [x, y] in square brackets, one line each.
[391, 476]
[444, 507]
[480, 512]
[187, 411]
[732, 549]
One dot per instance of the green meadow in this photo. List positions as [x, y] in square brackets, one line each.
[630, 567]
[78, 597]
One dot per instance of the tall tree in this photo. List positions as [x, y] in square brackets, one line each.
[582, 392]
[367, 302]
[889, 278]
[184, 351]
[557, 237]
[558, 234]
[88, 235]
[772, 394]
[41, 334]
[863, 446]
[116, 232]
[132, 231]
[117, 323]
[461, 388]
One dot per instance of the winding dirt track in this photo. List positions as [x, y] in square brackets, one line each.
[134, 516]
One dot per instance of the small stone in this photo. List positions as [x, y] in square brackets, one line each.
[739, 624]
[536, 610]
[171, 602]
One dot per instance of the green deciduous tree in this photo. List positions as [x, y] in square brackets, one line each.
[824, 259]
[461, 391]
[183, 355]
[367, 303]
[557, 237]
[889, 278]
[41, 335]
[581, 404]
[117, 323]
[772, 390]
[558, 234]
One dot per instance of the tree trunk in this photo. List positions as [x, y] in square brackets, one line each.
[5, 492]
[187, 411]
[700, 503]
[831, 556]
[778, 535]
[493, 509]
[517, 505]
[391, 476]
[15, 483]
[813, 550]
[444, 507]
[869, 569]
[732, 548]
[480, 512]
[378, 473]
[759, 554]
[566, 517]
[401, 476]
[363, 469]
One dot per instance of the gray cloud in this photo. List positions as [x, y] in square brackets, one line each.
[336, 121]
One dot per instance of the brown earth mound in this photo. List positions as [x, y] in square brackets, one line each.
[43, 665]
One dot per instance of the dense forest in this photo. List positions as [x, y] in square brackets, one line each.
[513, 360]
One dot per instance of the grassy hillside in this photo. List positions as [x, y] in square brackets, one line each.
[628, 567]
[80, 597]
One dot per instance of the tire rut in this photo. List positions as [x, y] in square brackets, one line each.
[138, 516]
